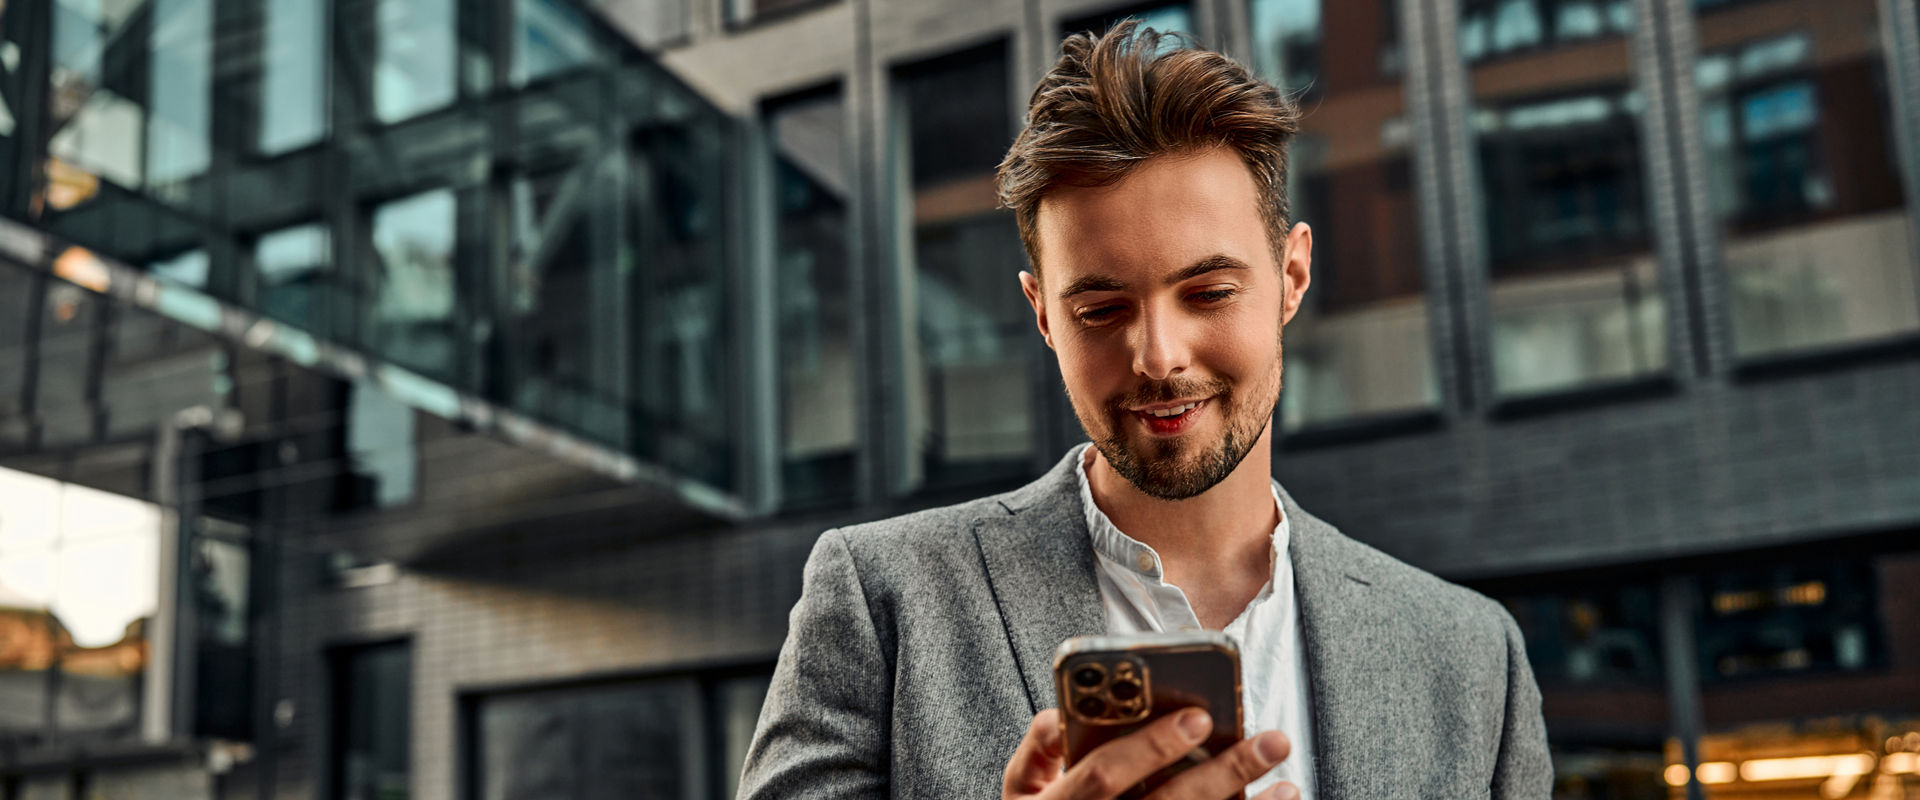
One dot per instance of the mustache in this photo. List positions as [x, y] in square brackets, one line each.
[1168, 391]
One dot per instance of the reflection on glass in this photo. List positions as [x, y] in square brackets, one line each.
[968, 415]
[380, 448]
[637, 740]
[293, 74]
[1575, 289]
[180, 90]
[1359, 344]
[1802, 172]
[684, 370]
[413, 306]
[562, 341]
[817, 396]
[187, 269]
[1821, 617]
[373, 703]
[96, 130]
[1166, 18]
[79, 581]
[551, 36]
[1492, 28]
[414, 69]
[294, 273]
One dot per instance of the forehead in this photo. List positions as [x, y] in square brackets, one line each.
[1165, 214]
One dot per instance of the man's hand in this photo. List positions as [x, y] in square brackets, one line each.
[1034, 773]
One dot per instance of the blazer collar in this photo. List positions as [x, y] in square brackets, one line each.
[1340, 609]
[1040, 568]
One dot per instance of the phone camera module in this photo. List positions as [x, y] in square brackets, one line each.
[1091, 707]
[1088, 676]
[1124, 691]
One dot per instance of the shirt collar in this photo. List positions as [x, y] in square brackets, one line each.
[1131, 554]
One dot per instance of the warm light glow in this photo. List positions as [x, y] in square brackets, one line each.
[1677, 775]
[1781, 769]
[1900, 763]
[79, 266]
[1718, 772]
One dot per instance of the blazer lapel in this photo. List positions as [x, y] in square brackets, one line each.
[1350, 713]
[1040, 566]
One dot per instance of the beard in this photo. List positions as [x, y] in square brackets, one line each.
[1181, 467]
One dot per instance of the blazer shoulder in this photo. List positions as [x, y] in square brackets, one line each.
[1421, 592]
[920, 539]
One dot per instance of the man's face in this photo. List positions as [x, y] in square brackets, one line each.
[1162, 300]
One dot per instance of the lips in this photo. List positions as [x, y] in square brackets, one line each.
[1171, 420]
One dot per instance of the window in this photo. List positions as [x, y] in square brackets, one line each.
[562, 295]
[969, 410]
[550, 37]
[1165, 18]
[180, 90]
[372, 712]
[414, 288]
[295, 280]
[669, 737]
[818, 392]
[414, 67]
[1575, 284]
[293, 74]
[79, 586]
[1493, 28]
[634, 740]
[1359, 345]
[684, 377]
[1818, 249]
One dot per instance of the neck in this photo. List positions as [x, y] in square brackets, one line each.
[1229, 523]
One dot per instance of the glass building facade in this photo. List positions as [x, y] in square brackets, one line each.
[792, 303]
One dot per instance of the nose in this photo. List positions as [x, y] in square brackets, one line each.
[1160, 347]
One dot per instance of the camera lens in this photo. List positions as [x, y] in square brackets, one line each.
[1125, 690]
[1091, 706]
[1088, 677]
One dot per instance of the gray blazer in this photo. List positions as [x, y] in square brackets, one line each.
[922, 647]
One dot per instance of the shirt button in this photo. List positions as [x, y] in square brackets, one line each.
[1145, 560]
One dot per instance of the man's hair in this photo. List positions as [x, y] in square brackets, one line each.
[1114, 101]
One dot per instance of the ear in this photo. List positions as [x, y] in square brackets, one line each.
[1298, 269]
[1030, 286]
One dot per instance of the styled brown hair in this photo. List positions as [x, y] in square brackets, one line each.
[1113, 101]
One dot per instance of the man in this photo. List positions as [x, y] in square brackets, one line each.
[1149, 191]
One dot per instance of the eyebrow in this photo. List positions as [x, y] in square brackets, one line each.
[1105, 283]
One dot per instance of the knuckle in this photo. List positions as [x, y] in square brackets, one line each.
[1102, 781]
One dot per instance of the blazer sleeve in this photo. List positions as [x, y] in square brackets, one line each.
[823, 729]
[1523, 769]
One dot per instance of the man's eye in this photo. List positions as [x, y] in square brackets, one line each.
[1213, 295]
[1098, 314]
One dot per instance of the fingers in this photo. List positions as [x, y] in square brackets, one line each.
[1230, 771]
[1037, 761]
[1114, 767]
[1280, 791]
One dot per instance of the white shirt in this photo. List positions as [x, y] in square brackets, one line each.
[1274, 668]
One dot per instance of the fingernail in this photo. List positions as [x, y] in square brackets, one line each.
[1287, 791]
[1196, 724]
[1268, 747]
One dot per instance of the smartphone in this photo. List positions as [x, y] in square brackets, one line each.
[1111, 686]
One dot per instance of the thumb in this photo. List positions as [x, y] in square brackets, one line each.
[1039, 759]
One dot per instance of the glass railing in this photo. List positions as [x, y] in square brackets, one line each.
[527, 218]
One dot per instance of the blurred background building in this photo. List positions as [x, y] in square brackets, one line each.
[438, 399]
